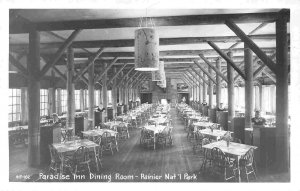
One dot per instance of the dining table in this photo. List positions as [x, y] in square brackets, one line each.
[203, 124]
[213, 134]
[234, 150]
[155, 129]
[69, 147]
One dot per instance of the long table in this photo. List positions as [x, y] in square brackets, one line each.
[155, 129]
[236, 150]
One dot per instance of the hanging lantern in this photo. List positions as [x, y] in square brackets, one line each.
[158, 75]
[146, 50]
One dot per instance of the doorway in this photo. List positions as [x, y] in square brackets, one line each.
[146, 97]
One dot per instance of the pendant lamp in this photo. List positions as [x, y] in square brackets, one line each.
[146, 52]
[158, 75]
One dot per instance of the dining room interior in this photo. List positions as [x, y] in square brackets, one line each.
[163, 95]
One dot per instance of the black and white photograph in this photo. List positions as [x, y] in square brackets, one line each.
[75, 80]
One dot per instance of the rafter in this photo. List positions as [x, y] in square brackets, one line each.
[213, 67]
[16, 27]
[116, 74]
[89, 63]
[206, 72]
[97, 78]
[251, 45]
[204, 80]
[124, 76]
[224, 56]
[18, 65]
[59, 53]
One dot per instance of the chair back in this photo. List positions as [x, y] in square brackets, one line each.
[249, 156]
[106, 138]
[218, 157]
[53, 154]
[199, 136]
[81, 155]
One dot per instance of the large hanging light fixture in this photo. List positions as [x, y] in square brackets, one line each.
[158, 75]
[146, 52]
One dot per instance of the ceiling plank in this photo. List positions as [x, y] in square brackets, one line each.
[251, 45]
[15, 28]
[59, 53]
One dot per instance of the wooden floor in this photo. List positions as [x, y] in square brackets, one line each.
[134, 163]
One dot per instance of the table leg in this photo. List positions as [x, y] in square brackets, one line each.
[62, 164]
[96, 158]
[238, 167]
[154, 141]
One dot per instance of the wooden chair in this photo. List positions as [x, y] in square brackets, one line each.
[222, 165]
[122, 131]
[56, 162]
[81, 158]
[147, 138]
[207, 155]
[247, 163]
[197, 142]
[163, 137]
[98, 152]
[109, 142]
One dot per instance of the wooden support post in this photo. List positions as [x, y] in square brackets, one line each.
[248, 54]
[204, 87]
[210, 89]
[58, 101]
[51, 100]
[91, 89]
[251, 45]
[200, 88]
[114, 94]
[59, 52]
[33, 66]
[24, 105]
[230, 89]
[70, 90]
[81, 100]
[282, 114]
[260, 97]
[218, 86]
[104, 90]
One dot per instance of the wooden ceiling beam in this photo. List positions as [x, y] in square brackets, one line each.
[97, 78]
[203, 79]
[130, 42]
[213, 67]
[124, 76]
[59, 53]
[18, 65]
[19, 27]
[251, 45]
[195, 77]
[225, 57]
[206, 72]
[89, 63]
[191, 79]
[116, 74]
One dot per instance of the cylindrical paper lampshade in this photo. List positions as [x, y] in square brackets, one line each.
[146, 52]
[157, 75]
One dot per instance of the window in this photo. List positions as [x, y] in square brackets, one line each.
[43, 102]
[86, 98]
[269, 98]
[96, 97]
[14, 105]
[77, 99]
[109, 97]
[63, 98]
